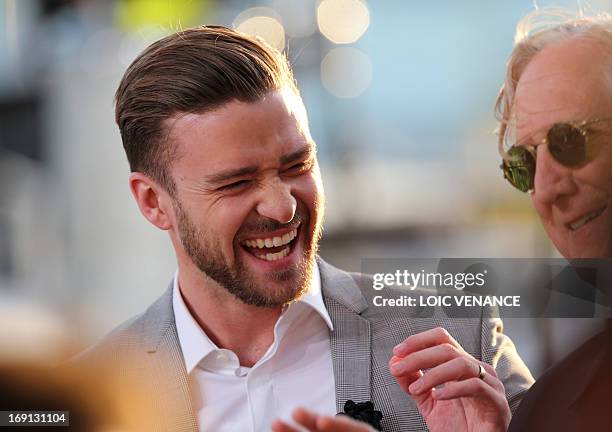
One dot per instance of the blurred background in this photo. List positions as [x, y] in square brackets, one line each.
[400, 96]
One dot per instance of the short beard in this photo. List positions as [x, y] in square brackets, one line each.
[205, 254]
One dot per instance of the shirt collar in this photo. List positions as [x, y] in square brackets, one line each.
[194, 342]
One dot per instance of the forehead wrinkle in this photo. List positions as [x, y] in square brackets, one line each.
[566, 104]
[541, 76]
[568, 69]
[561, 88]
[529, 117]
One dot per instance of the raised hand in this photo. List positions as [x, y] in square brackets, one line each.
[457, 392]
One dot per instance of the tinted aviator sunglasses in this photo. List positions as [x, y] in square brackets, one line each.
[567, 143]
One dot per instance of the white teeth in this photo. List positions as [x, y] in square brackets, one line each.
[274, 256]
[260, 243]
[574, 226]
[578, 224]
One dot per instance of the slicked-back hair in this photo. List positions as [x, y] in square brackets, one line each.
[193, 71]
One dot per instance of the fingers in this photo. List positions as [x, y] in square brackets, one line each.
[318, 423]
[427, 358]
[306, 418]
[402, 378]
[458, 369]
[473, 387]
[489, 369]
[496, 403]
[491, 378]
[424, 340]
[495, 406]
[438, 352]
[422, 351]
[281, 426]
[341, 423]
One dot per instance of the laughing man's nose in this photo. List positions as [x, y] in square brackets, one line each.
[277, 202]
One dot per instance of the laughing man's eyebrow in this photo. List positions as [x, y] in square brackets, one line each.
[229, 174]
[307, 150]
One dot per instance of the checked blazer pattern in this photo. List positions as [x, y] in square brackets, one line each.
[146, 350]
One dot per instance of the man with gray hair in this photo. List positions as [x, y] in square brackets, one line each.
[555, 112]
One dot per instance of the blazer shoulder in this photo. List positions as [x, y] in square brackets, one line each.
[119, 340]
[133, 335]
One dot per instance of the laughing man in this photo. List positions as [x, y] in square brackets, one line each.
[254, 324]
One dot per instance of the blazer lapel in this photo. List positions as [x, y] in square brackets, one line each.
[350, 340]
[167, 367]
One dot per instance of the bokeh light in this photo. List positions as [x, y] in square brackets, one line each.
[346, 72]
[175, 14]
[299, 17]
[262, 22]
[343, 21]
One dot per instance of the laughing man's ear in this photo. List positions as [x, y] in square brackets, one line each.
[153, 201]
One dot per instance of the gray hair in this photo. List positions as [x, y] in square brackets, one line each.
[535, 31]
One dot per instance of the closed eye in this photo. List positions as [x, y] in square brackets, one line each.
[299, 168]
[235, 185]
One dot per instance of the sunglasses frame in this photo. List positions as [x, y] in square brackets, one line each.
[526, 155]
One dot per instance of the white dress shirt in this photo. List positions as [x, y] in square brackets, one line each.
[296, 370]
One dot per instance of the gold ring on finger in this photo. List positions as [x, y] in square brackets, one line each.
[481, 372]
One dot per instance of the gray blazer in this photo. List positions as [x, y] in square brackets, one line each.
[146, 350]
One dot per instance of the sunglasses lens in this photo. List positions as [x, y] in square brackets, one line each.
[519, 168]
[567, 144]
